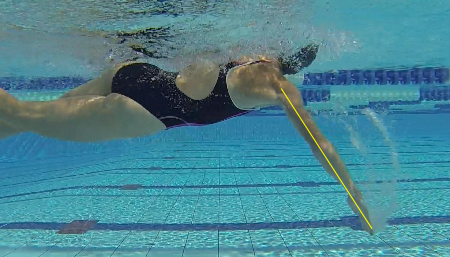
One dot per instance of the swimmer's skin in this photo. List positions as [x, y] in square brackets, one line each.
[92, 113]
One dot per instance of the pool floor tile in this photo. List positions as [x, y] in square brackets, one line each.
[266, 239]
[201, 242]
[170, 239]
[420, 233]
[130, 194]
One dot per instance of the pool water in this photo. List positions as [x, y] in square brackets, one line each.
[231, 189]
[247, 186]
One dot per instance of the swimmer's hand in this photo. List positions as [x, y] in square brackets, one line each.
[358, 198]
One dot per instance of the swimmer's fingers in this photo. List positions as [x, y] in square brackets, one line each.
[362, 211]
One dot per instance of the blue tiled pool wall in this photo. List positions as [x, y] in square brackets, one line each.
[242, 137]
[240, 185]
[233, 132]
[414, 87]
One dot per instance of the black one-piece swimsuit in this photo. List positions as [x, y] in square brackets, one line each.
[155, 90]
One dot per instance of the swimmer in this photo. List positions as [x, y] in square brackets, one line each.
[139, 99]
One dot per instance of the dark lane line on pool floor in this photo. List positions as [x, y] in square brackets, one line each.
[206, 195]
[32, 167]
[89, 225]
[295, 184]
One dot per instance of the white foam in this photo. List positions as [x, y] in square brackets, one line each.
[384, 204]
[380, 198]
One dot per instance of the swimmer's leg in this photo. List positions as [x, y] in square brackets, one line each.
[100, 86]
[82, 118]
[7, 130]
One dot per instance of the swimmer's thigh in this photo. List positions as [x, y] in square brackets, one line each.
[87, 118]
[98, 86]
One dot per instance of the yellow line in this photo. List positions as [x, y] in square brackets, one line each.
[327, 159]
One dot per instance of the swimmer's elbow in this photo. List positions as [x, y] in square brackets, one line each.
[289, 96]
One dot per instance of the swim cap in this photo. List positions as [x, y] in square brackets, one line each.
[293, 64]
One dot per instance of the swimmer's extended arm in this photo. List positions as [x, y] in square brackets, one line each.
[295, 98]
[328, 149]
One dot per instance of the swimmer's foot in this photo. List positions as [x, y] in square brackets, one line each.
[357, 196]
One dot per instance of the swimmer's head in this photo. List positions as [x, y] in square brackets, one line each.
[293, 64]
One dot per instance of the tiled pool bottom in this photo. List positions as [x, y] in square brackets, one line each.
[213, 200]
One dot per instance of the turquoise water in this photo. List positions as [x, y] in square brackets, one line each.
[233, 189]
[245, 187]
[356, 35]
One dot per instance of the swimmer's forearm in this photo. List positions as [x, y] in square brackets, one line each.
[319, 140]
[311, 133]
[337, 163]
[326, 147]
